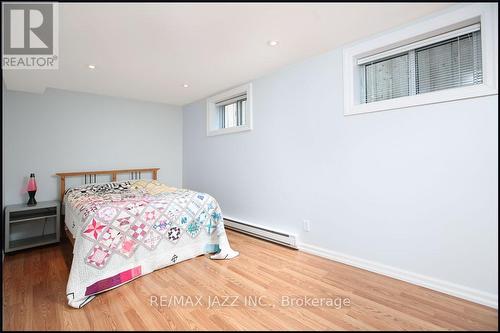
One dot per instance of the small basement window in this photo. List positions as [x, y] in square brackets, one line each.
[424, 67]
[229, 112]
[447, 57]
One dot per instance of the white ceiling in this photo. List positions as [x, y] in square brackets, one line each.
[148, 51]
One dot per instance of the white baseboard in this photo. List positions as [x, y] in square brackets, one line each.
[449, 288]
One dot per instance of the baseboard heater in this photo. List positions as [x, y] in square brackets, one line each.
[263, 233]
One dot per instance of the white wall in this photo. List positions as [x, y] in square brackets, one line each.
[62, 131]
[415, 189]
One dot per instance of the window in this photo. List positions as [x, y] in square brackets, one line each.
[384, 79]
[230, 112]
[446, 57]
[453, 62]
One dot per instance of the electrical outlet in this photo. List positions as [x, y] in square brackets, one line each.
[307, 225]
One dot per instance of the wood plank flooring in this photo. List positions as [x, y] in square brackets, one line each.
[35, 286]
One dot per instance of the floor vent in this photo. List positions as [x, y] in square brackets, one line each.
[263, 233]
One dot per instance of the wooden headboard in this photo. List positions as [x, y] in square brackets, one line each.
[134, 174]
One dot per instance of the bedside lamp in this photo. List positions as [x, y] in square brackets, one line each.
[32, 190]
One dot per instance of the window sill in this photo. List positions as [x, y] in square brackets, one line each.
[229, 130]
[424, 99]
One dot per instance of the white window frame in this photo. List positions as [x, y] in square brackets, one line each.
[212, 116]
[465, 15]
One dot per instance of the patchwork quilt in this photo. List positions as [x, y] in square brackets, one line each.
[124, 230]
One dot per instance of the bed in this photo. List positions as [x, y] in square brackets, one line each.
[122, 230]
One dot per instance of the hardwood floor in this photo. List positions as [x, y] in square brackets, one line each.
[35, 287]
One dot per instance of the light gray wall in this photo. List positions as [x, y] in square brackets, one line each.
[415, 188]
[67, 131]
[3, 168]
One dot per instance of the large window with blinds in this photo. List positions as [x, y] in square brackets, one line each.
[446, 61]
[448, 57]
[230, 111]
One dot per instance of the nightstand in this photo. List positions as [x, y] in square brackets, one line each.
[30, 226]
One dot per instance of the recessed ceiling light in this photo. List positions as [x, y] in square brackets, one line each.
[272, 43]
[91, 66]
[185, 85]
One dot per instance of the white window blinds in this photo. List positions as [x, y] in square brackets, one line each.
[435, 65]
[452, 63]
[387, 79]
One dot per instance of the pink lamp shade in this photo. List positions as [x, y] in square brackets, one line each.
[32, 183]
